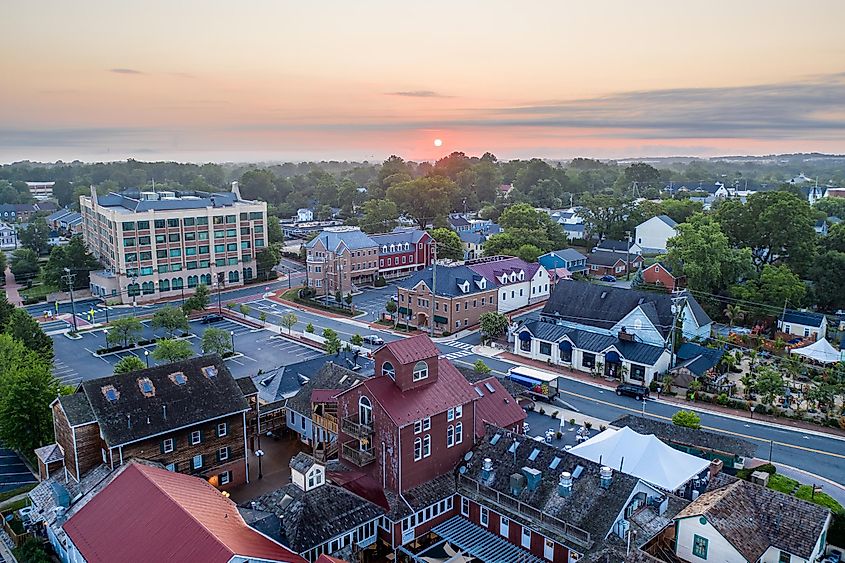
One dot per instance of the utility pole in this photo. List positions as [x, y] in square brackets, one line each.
[433, 282]
[70, 277]
[679, 304]
[628, 257]
[326, 271]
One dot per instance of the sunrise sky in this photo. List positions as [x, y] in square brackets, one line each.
[282, 80]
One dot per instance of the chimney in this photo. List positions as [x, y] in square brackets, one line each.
[564, 486]
[606, 475]
[486, 468]
[625, 336]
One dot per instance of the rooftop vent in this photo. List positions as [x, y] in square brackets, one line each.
[517, 484]
[486, 468]
[606, 476]
[533, 477]
[564, 486]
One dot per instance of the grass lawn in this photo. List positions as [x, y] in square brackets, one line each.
[38, 291]
[805, 492]
[782, 484]
[16, 492]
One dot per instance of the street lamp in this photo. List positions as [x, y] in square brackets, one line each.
[643, 407]
[752, 411]
[232, 333]
[147, 357]
[259, 454]
[106, 336]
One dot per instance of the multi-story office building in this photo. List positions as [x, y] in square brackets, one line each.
[164, 244]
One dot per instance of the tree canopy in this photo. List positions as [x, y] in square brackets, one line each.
[449, 244]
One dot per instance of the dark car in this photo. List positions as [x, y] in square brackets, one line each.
[608, 278]
[632, 390]
[211, 318]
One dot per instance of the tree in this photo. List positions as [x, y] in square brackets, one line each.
[24, 264]
[356, 339]
[27, 387]
[198, 301]
[36, 236]
[75, 257]
[703, 253]
[525, 227]
[332, 341]
[309, 328]
[265, 260]
[687, 419]
[835, 239]
[380, 216]
[391, 308]
[3, 264]
[641, 173]
[493, 324]
[338, 297]
[169, 351]
[26, 330]
[170, 319]
[244, 309]
[481, 367]
[774, 225]
[734, 313]
[275, 235]
[124, 330]
[776, 286]
[449, 244]
[604, 215]
[424, 199]
[6, 310]
[263, 318]
[528, 252]
[768, 383]
[129, 363]
[826, 274]
[216, 341]
[289, 319]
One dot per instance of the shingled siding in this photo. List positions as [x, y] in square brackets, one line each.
[82, 445]
[183, 453]
[64, 438]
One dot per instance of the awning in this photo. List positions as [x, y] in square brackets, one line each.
[441, 320]
[612, 358]
[820, 351]
[525, 336]
[565, 346]
[403, 310]
[474, 540]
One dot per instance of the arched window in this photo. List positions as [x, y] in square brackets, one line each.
[459, 432]
[133, 289]
[148, 288]
[365, 411]
[417, 449]
[638, 324]
[205, 279]
[164, 285]
[247, 274]
[193, 281]
[233, 276]
[420, 371]
[177, 283]
[426, 445]
[388, 370]
[450, 436]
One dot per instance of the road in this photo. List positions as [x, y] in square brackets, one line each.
[817, 453]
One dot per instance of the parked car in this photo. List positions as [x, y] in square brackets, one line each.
[608, 278]
[632, 390]
[211, 318]
[374, 339]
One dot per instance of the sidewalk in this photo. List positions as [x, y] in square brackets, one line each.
[12, 287]
[711, 408]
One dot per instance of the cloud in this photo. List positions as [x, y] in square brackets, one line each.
[418, 94]
[125, 71]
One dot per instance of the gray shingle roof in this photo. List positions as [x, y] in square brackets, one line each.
[328, 377]
[77, 409]
[668, 220]
[609, 258]
[636, 352]
[353, 239]
[285, 381]
[613, 245]
[398, 235]
[698, 359]
[302, 462]
[448, 280]
[569, 254]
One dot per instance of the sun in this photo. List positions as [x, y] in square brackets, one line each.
[438, 142]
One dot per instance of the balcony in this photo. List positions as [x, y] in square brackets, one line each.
[357, 456]
[352, 427]
[327, 422]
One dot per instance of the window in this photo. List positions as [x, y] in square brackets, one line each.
[188, 221]
[420, 371]
[160, 239]
[202, 235]
[426, 445]
[223, 454]
[171, 467]
[143, 225]
[546, 348]
[422, 425]
[548, 549]
[167, 446]
[784, 557]
[231, 219]
[526, 537]
[588, 360]
[450, 436]
[190, 236]
[173, 222]
[504, 527]
[196, 461]
[225, 478]
[128, 226]
[159, 223]
[699, 546]
[417, 449]
[459, 411]
[222, 429]
[484, 516]
[465, 507]
[175, 252]
[459, 432]
[637, 372]
[450, 415]
[196, 437]
[202, 220]
[144, 240]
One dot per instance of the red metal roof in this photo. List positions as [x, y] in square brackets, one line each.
[448, 390]
[323, 395]
[498, 408]
[151, 514]
[413, 349]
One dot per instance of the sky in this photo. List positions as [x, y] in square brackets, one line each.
[260, 80]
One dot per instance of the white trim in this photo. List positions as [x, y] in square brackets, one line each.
[246, 455]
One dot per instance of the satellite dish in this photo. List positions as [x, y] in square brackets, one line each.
[468, 456]
[462, 469]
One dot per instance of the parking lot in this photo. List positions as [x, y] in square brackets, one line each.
[373, 299]
[13, 472]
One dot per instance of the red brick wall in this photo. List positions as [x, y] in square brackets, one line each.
[404, 373]
[657, 275]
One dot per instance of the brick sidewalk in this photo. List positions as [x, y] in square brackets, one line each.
[12, 294]
[680, 402]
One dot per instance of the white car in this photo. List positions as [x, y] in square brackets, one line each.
[374, 339]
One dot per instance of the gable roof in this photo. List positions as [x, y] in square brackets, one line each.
[753, 518]
[398, 235]
[472, 237]
[614, 245]
[286, 381]
[609, 258]
[448, 280]
[77, 409]
[668, 220]
[404, 407]
[681, 435]
[134, 416]
[698, 359]
[413, 349]
[189, 519]
[663, 265]
[492, 268]
[330, 376]
[458, 221]
[352, 238]
[495, 406]
[568, 254]
[805, 318]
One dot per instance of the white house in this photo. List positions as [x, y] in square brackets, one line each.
[519, 283]
[739, 521]
[804, 324]
[652, 235]
[304, 215]
[8, 237]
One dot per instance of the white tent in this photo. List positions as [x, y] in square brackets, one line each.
[643, 456]
[820, 351]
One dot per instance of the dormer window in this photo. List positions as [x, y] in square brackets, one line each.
[388, 370]
[110, 393]
[146, 386]
[521, 275]
[420, 371]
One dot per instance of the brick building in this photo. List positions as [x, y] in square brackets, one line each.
[403, 252]
[192, 417]
[660, 275]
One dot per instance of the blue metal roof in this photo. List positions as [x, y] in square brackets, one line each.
[478, 542]
[698, 359]
[805, 318]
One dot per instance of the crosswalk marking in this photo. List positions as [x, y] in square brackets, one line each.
[461, 345]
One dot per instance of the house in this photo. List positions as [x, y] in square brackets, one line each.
[821, 227]
[152, 514]
[341, 259]
[696, 363]
[803, 323]
[313, 517]
[66, 222]
[403, 252]
[619, 246]
[606, 263]
[462, 296]
[519, 283]
[473, 243]
[304, 215]
[576, 231]
[16, 212]
[741, 521]
[505, 189]
[286, 381]
[192, 417]
[660, 275]
[651, 235]
[8, 237]
[549, 504]
[567, 258]
[458, 223]
[730, 450]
